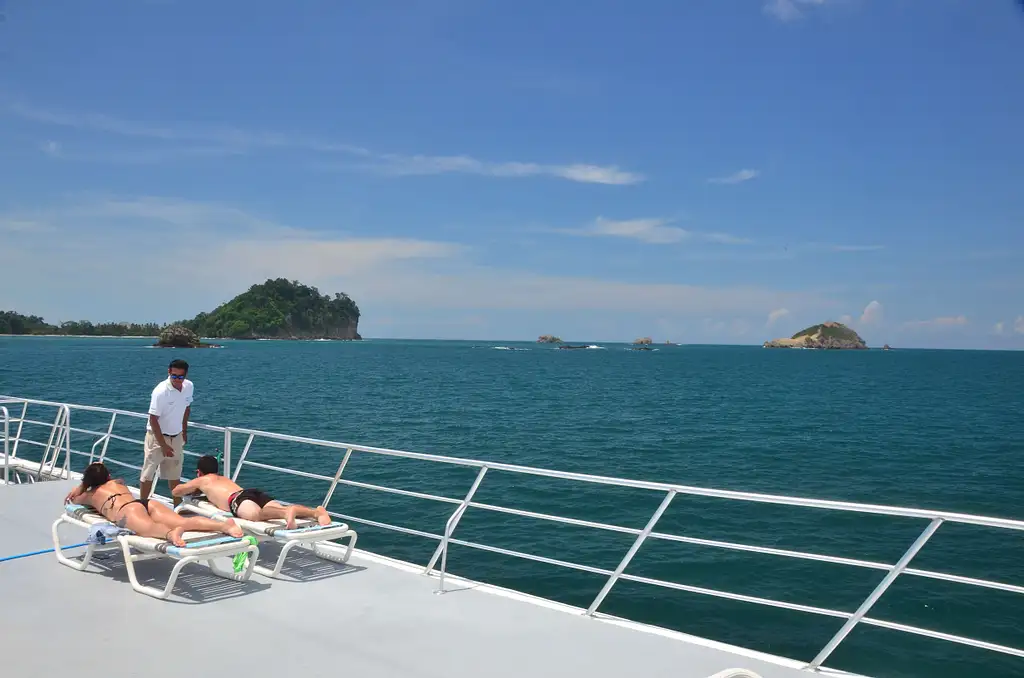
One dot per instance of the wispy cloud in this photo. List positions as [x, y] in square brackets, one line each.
[837, 248]
[21, 225]
[230, 140]
[1000, 328]
[937, 323]
[789, 10]
[872, 314]
[50, 148]
[411, 165]
[655, 231]
[737, 177]
[855, 248]
[776, 315]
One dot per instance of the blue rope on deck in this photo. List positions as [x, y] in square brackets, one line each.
[36, 553]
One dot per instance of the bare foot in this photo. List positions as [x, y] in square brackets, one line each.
[321, 516]
[289, 517]
[231, 528]
[175, 536]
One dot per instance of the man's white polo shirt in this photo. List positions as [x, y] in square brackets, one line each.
[168, 404]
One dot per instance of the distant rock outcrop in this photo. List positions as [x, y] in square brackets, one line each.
[178, 336]
[886, 348]
[548, 339]
[827, 335]
[643, 341]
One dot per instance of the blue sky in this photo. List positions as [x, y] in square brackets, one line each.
[701, 171]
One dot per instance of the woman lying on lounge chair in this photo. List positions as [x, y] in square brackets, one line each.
[146, 518]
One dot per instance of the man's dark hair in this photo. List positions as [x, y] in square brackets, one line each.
[95, 474]
[178, 363]
[207, 464]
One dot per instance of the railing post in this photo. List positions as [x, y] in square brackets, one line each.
[49, 443]
[337, 477]
[7, 445]
[57, 434]
[21, 422]
[226, 456]
[606, 589]
[459, 510]
[65, 440]
[106, 440]
[241, 459]
[886, 582]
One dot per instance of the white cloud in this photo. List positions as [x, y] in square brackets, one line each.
[652, 231]
[21, 225]
[856, 248]
[789, 10]
[50, 148]
[999, 328]
[411, 165]
[846, 319]
[737, 177]
[111, 257]
[937, 323]
[1018, 325]
[726, 238]
[655, 231]
[230, 140]
[776, 314]
[872, 314]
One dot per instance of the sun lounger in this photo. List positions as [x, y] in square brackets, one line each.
[307, 534]
[199, 546]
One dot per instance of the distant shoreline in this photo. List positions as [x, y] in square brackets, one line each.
[155, 337]
[86, 336]
[503, 341]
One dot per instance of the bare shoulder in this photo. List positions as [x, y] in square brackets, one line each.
[224, 482]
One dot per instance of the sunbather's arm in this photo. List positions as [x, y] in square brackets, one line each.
[186, 488]
[75, 494]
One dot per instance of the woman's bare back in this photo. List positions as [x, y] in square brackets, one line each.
[109, 500]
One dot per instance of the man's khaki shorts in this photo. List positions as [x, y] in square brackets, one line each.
[170, 467]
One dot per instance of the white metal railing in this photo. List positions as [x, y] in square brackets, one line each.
[58, 441]
[7, 444]
[859, 616]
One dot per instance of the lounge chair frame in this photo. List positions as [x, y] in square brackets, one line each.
[151, 548]
[308, 535]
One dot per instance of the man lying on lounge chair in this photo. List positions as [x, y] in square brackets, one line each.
[145, 517]
[248, 504]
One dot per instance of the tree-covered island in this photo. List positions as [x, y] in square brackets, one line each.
[276, 309]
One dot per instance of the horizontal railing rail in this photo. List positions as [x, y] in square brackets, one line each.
[935, 519]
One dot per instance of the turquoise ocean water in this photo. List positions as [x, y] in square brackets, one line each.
[934, 429]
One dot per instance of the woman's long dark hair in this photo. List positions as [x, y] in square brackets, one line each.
[95, 474]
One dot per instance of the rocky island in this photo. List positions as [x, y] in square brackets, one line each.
[275, 309]
[827, 335]
[176, 336]
[281, 309]
[548, 339]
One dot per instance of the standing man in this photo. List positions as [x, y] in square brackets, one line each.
[167, 430]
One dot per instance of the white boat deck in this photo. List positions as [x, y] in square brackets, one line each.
[371, 618]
